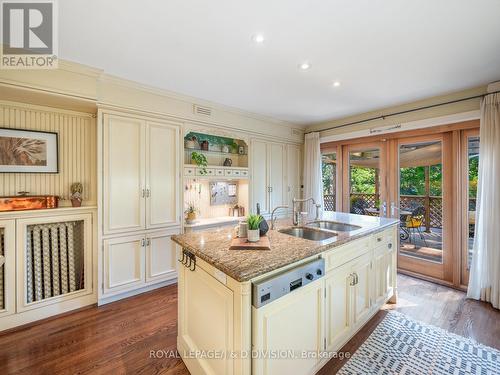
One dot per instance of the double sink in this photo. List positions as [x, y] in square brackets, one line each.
[322, 231]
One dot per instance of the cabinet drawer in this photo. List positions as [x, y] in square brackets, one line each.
[188, 171]
[244, 173]
[228, 173]
[219, 172]
[237, 173]
[345, 253]
[382, 238]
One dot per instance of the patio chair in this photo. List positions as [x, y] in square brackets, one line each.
[415, 221]
[359, 207]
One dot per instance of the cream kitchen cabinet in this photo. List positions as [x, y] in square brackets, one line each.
[133, 262]
[384, 260]
[161, 261]
[140, 172]
[338, 292]
[294, 175]
[205, 321]
[268, 171]
[7, 267]
[358, 285]
[124, 264]
[361, 290]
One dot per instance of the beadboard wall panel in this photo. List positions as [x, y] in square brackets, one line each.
[77, 152]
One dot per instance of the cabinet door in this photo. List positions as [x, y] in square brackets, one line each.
[338, 306]
[162, 188]
[123, 264]
[259, 178]
[7, 267]
[277, 174]
[293, 173]
[362, 268]
[291, 323]
[383, 265]
[206, 321]
[160, 257]
[124, 168]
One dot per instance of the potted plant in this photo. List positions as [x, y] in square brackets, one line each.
[76, 194]
[200, 160]
[190, 212]
[253, 222]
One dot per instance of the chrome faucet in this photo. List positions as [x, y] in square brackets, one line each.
[296, 214]
[273, 219]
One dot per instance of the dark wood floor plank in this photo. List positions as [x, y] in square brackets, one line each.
[117, 338]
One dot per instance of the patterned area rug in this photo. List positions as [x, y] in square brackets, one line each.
[400, 345]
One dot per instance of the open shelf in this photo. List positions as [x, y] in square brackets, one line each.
[220, 149]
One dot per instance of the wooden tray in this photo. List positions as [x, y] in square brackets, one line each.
[243, 244]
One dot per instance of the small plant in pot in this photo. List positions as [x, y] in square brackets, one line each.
[200, 160]
[190, 212]
[253, 232]
[76, 194]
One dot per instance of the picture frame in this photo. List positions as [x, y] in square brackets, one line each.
[28, 151]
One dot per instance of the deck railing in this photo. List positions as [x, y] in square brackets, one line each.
[433, 205]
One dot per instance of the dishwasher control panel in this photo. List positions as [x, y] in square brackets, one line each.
[270, 289]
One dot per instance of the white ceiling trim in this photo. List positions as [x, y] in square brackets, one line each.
[404, 126]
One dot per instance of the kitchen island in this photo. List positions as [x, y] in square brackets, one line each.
[222, 330]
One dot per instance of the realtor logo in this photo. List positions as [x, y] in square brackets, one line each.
[29, 34]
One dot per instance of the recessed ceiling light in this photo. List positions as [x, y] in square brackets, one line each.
[305, 66]
[336, 84]
[258, 38]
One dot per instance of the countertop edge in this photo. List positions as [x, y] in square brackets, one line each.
[320, 249]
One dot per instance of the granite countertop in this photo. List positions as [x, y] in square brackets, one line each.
[244, 265]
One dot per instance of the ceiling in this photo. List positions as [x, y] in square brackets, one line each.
[382, 52]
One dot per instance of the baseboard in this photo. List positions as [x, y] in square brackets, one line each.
[35, 316]
[131, 293]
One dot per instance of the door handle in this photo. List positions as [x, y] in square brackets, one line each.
[148, 192]
[143, 193]
[393, 209]
[143, 242]
[148, 242]
[384, 209]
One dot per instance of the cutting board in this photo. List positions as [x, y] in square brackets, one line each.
[242, 244]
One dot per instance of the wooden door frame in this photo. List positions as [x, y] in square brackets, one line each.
[383, 163]
[441, 271]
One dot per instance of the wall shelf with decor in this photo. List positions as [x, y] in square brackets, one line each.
[218, 151]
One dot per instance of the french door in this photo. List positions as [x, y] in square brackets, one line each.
[421, 199]
[426, 179]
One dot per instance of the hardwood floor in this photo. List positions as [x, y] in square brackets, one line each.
[117, 338]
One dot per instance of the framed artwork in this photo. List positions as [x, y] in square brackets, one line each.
[26, 151]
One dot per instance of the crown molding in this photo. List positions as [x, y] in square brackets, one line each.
[108, 78]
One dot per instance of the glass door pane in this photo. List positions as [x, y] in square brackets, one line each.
[364, 181]
[421, 201]
[329, 172]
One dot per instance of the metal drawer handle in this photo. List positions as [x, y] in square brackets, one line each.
[389, 245]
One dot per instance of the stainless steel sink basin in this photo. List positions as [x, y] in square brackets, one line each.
[333, 225]
[309, 233]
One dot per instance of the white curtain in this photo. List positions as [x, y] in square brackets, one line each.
[313, 184]
[484, 281]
